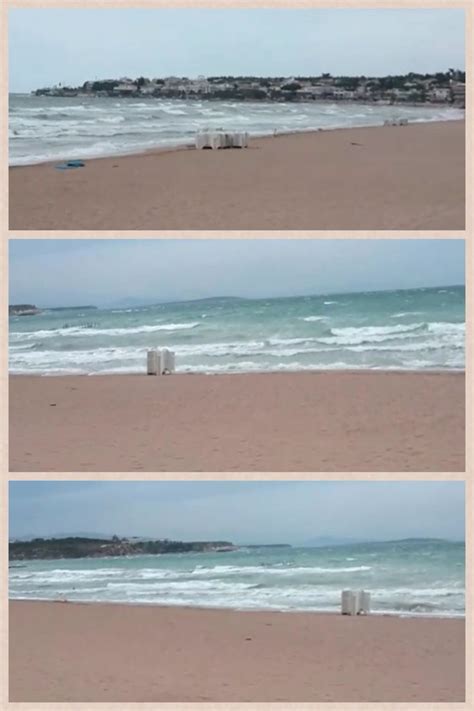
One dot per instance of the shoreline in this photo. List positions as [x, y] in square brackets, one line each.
[379, 177]
[156, 150]
[325, 421]
[309, 371]
[156, 654]
[186, 146]
[254, 610]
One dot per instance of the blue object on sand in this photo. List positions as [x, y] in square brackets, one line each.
[70, 164]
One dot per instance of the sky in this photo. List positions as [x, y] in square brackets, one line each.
[76, 45]
[71, 272]
[241, 512]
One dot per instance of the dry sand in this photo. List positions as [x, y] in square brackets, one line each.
[326, 421]
[62, 652]
[408, 177]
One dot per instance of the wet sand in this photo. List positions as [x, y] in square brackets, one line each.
[61, 652]
[307, 421]
[378, 178]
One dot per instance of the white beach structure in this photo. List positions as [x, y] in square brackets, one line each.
[160, 362]
[152, 365]
[167, 361]
[240, 140]
[221, 139]
[355, 602]
[396, 122]
[349, 602]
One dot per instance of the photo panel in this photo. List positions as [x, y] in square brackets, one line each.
[248, 591]
[237, 355]
[314, 119]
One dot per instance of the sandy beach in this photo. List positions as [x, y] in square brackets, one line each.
[307, 421]
[378, 178]
[62, 652]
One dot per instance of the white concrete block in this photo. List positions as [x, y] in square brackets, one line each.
[216, 140]
[346, 602]
[240, 140]
[349, 602]
[221, 139]
[167, 361]
[202, 140]
[396, 122]
[152, 363]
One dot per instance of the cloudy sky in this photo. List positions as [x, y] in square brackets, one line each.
[243, 512]
[80, 44]
[108, 272]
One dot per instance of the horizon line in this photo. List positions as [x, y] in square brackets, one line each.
[113, 305]
[343, 542]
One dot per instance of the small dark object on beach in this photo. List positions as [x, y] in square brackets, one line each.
[52, 404]
[356, 144]
[70, 164]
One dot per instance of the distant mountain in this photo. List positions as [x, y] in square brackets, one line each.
[267, 545]
[329, 541]
[131, 302]
[145, 303]
[88, 307]
[323, 541]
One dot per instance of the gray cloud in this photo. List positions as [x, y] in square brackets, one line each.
[244, 512]
[67, 272]
[278, 42]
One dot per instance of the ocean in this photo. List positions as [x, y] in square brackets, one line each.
[412, 577]
[413, 329]
[45, 128]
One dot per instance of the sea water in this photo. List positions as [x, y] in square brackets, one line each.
[412, 577]
[415, 329]
[47, 128]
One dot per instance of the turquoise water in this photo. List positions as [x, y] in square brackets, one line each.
[413, 577]
[47, 128]
[406, 329]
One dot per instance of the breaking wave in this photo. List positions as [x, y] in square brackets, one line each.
[235, 336]
[48, 128]
[421, 579]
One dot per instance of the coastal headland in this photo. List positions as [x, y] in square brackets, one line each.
[150, 653]
[85, 547]
[443, 87]
[383, 177]
[303, 421]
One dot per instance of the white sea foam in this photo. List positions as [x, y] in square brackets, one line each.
[402, 314]
[371, 331]
[228, 336]
[43, 128]
[276, 587]
[75, 331]
[447, 329]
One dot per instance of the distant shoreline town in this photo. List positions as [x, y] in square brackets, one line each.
[439, 88]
